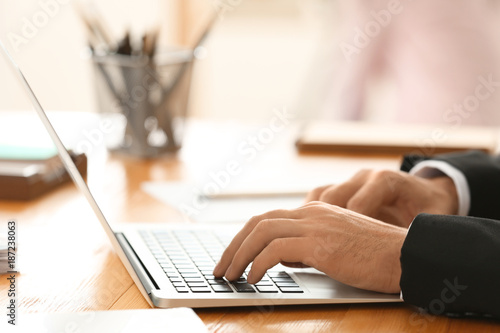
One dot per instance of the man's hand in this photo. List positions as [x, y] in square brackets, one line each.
[391, 196]
[351, 248]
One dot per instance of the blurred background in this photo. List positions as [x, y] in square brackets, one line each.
[258, 56]
[318, 58]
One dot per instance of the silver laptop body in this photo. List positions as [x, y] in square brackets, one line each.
[168, 277]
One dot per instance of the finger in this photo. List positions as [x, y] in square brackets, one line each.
[294, 264]
[235, 244]
[294, 249]
[316, 193]
[341, 194]
[261, 236]
[382, 188]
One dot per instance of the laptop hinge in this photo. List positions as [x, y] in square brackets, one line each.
[141, 271]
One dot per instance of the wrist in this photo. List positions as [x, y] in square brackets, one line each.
[390, 262]
[434, 169]
[448, 194]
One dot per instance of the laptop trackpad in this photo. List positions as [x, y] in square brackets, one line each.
[318, 282]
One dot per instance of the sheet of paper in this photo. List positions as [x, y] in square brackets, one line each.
[124, 321]
[189, 199]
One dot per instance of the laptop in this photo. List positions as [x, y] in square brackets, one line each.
[172, 265]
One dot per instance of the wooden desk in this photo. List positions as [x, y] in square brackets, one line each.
[67, 263]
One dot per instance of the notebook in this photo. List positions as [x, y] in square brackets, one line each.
[366, 138]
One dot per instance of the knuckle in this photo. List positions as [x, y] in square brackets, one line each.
[313, 206]
[388, 177]
[258, 219]
[363, 171]
[329, 196]
[355, 203]
[276, 212]
[263, 226]
[277, 245]
[315, 193]
[253, 221]
[240, 257]
[382, 174]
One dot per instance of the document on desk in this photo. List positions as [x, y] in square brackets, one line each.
[233, 204]
[179, 320]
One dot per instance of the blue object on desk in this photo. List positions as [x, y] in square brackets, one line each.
[24, 153]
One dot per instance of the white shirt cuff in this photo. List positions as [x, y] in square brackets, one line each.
[431, 169]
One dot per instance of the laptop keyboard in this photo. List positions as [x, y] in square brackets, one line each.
[189, 257]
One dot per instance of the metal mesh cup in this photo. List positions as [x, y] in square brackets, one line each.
[146, 99]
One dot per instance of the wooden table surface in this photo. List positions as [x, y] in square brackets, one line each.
[66, 263]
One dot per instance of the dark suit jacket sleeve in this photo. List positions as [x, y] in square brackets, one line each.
[451, 265]
[482, 172]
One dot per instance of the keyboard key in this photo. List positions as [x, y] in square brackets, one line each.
[217, 281]
[243, 287]
[206, 267]
[291, 290]
[222, 288]
[178, 279]
[195, 280]
[186, 266]
[197, 284]
[265, 282]
[267, 289]
[192, 276]
[162, 260]
[172, 251]
[177, 255]
[288, 280]
[286, 284]
[187, 270]
[182, 289]
[180, 262]
[278, 274]
[179, 284]
[203, 261]
[203, 289]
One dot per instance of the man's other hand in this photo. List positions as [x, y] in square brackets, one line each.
[391, 196]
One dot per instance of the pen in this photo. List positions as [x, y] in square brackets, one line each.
[95, 31]
[254, 194]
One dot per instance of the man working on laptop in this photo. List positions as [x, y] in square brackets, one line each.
[392, 232]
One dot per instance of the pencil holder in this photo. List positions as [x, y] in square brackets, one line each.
[145, 98]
